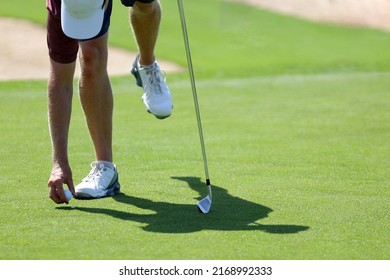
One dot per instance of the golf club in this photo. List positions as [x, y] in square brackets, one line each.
[204, 205]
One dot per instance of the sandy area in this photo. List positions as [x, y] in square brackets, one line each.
[23, 53]
[369, 13]
[23, 49]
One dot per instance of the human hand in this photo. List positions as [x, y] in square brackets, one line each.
[60, 174]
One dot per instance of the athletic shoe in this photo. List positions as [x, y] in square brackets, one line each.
[102, 181]
[156, 97]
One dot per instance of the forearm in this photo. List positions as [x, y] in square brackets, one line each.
[59, 112]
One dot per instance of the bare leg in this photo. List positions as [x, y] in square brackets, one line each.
[145, 20]
[96, 95]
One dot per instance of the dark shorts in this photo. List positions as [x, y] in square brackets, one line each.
[63, 49]
[130, 3]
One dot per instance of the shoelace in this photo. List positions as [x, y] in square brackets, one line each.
[96, 171]
[155, 75]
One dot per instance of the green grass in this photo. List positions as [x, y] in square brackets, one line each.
[298, 149]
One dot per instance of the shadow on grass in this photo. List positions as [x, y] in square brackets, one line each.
[227, 213]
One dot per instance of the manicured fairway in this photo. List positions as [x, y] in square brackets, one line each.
[299, 163]
[299, 156]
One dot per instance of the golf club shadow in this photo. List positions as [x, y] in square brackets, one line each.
[228, 213]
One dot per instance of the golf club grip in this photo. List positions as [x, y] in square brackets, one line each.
[194, 93]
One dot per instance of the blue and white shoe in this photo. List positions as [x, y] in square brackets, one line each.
[157, 97]
[102, 181]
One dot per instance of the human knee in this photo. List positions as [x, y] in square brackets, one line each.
[93, 60]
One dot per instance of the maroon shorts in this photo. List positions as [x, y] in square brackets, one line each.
[63, 49]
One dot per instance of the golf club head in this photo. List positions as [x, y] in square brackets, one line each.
[204, 205]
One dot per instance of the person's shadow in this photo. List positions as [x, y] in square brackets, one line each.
[227, 213]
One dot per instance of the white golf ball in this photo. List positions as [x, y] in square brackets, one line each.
[68, 195]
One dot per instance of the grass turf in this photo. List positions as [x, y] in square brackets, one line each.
[298, 160]
[299, 171]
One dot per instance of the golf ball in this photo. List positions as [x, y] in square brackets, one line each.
[68, 195]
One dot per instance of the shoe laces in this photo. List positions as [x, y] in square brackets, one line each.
[155, 74]
[96, 172]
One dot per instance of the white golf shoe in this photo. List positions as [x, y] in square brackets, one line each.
[102, 181]
[157, 97]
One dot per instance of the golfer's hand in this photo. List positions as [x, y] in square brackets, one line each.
[60, 174]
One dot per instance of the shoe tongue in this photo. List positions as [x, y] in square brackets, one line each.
[148, 67]
[101, 164]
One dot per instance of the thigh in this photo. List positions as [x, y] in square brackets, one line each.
[62, 49]
[98, 45]
[94, 54]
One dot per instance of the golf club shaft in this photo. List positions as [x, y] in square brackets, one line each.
[194, 93]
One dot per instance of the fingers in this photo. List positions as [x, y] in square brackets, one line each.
[62, 195]
[61, 174]
[56, 189]
[71, 186]
[54, 196]
[56, 193]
